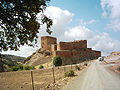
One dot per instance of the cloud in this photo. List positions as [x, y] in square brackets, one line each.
[24, 51]
[111, 9]
[101, 41]
[61, 19]
[84, 23]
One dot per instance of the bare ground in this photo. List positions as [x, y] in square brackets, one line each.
[96, 77]
[43, 79]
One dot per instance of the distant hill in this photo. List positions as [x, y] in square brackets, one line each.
[12, 57]
[6, 61]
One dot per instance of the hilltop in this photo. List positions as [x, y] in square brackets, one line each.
[6, 61]
[40, 57]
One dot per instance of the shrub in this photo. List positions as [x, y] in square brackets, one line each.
[69, 73]
[77, 68]
[29, 67]
[14, 68]
[47, 53]
[20, 67]
[41, 67]
[57, 61]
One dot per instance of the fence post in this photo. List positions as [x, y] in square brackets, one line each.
[32, 80]
[64, 66]
[53, 74]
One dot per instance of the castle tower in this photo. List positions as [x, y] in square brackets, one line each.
[47, 41]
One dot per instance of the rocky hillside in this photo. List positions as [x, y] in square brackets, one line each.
[40, 57]
[12, 57]
[6, 61]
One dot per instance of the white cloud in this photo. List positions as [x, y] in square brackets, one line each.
[24, 51]
[61, 18]
[111, 9]
[91, 21]
[84, 23]
[101, 41]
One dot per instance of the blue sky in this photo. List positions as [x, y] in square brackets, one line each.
[87, 10]
[97, 21]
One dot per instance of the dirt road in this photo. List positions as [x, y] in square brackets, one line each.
[96, 77]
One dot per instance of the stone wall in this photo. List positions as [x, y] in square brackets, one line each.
[77, 56]
[70, 52]
[97, 53]
[53, 47]
[63, 53]
[72, 45]
[47, 41]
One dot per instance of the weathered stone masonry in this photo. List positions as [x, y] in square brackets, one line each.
[47, 41]
[71, 52]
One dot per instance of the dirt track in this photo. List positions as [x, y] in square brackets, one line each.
[96, 77]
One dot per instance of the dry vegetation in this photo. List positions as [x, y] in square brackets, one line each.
[21, 80]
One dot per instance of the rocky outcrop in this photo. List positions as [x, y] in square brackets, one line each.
[39, 57]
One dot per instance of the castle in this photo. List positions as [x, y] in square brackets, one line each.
[70, 52]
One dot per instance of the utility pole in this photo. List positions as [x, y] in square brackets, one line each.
[53, 74]
[32, 80]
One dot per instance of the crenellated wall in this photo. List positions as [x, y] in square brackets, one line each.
[70, 52]
[72, 45]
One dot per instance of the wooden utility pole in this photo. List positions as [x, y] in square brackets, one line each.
[32, 80]
[71, 59]
[53, 74]
[64, 66]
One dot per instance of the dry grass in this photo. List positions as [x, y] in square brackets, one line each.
[21, 80]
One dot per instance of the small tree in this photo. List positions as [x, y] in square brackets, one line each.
[57, 61]
[41, 67]
[20, 67]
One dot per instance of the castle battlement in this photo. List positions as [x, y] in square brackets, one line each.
[76, 51]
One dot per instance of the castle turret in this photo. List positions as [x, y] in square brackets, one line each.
[47, 41]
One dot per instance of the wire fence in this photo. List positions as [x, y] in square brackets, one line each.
[34, 79]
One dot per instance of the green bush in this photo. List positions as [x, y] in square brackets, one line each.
[21, 67]
[29, 67]
[41, 67]
[14, 68]
[77, 68]
[57, 61]
[69, 73]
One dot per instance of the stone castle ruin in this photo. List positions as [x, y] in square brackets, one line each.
[70, 52]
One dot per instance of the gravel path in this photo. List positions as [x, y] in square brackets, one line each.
[96, 77]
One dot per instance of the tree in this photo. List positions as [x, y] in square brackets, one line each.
[18, 22]
[41, 66]
[57, 61]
